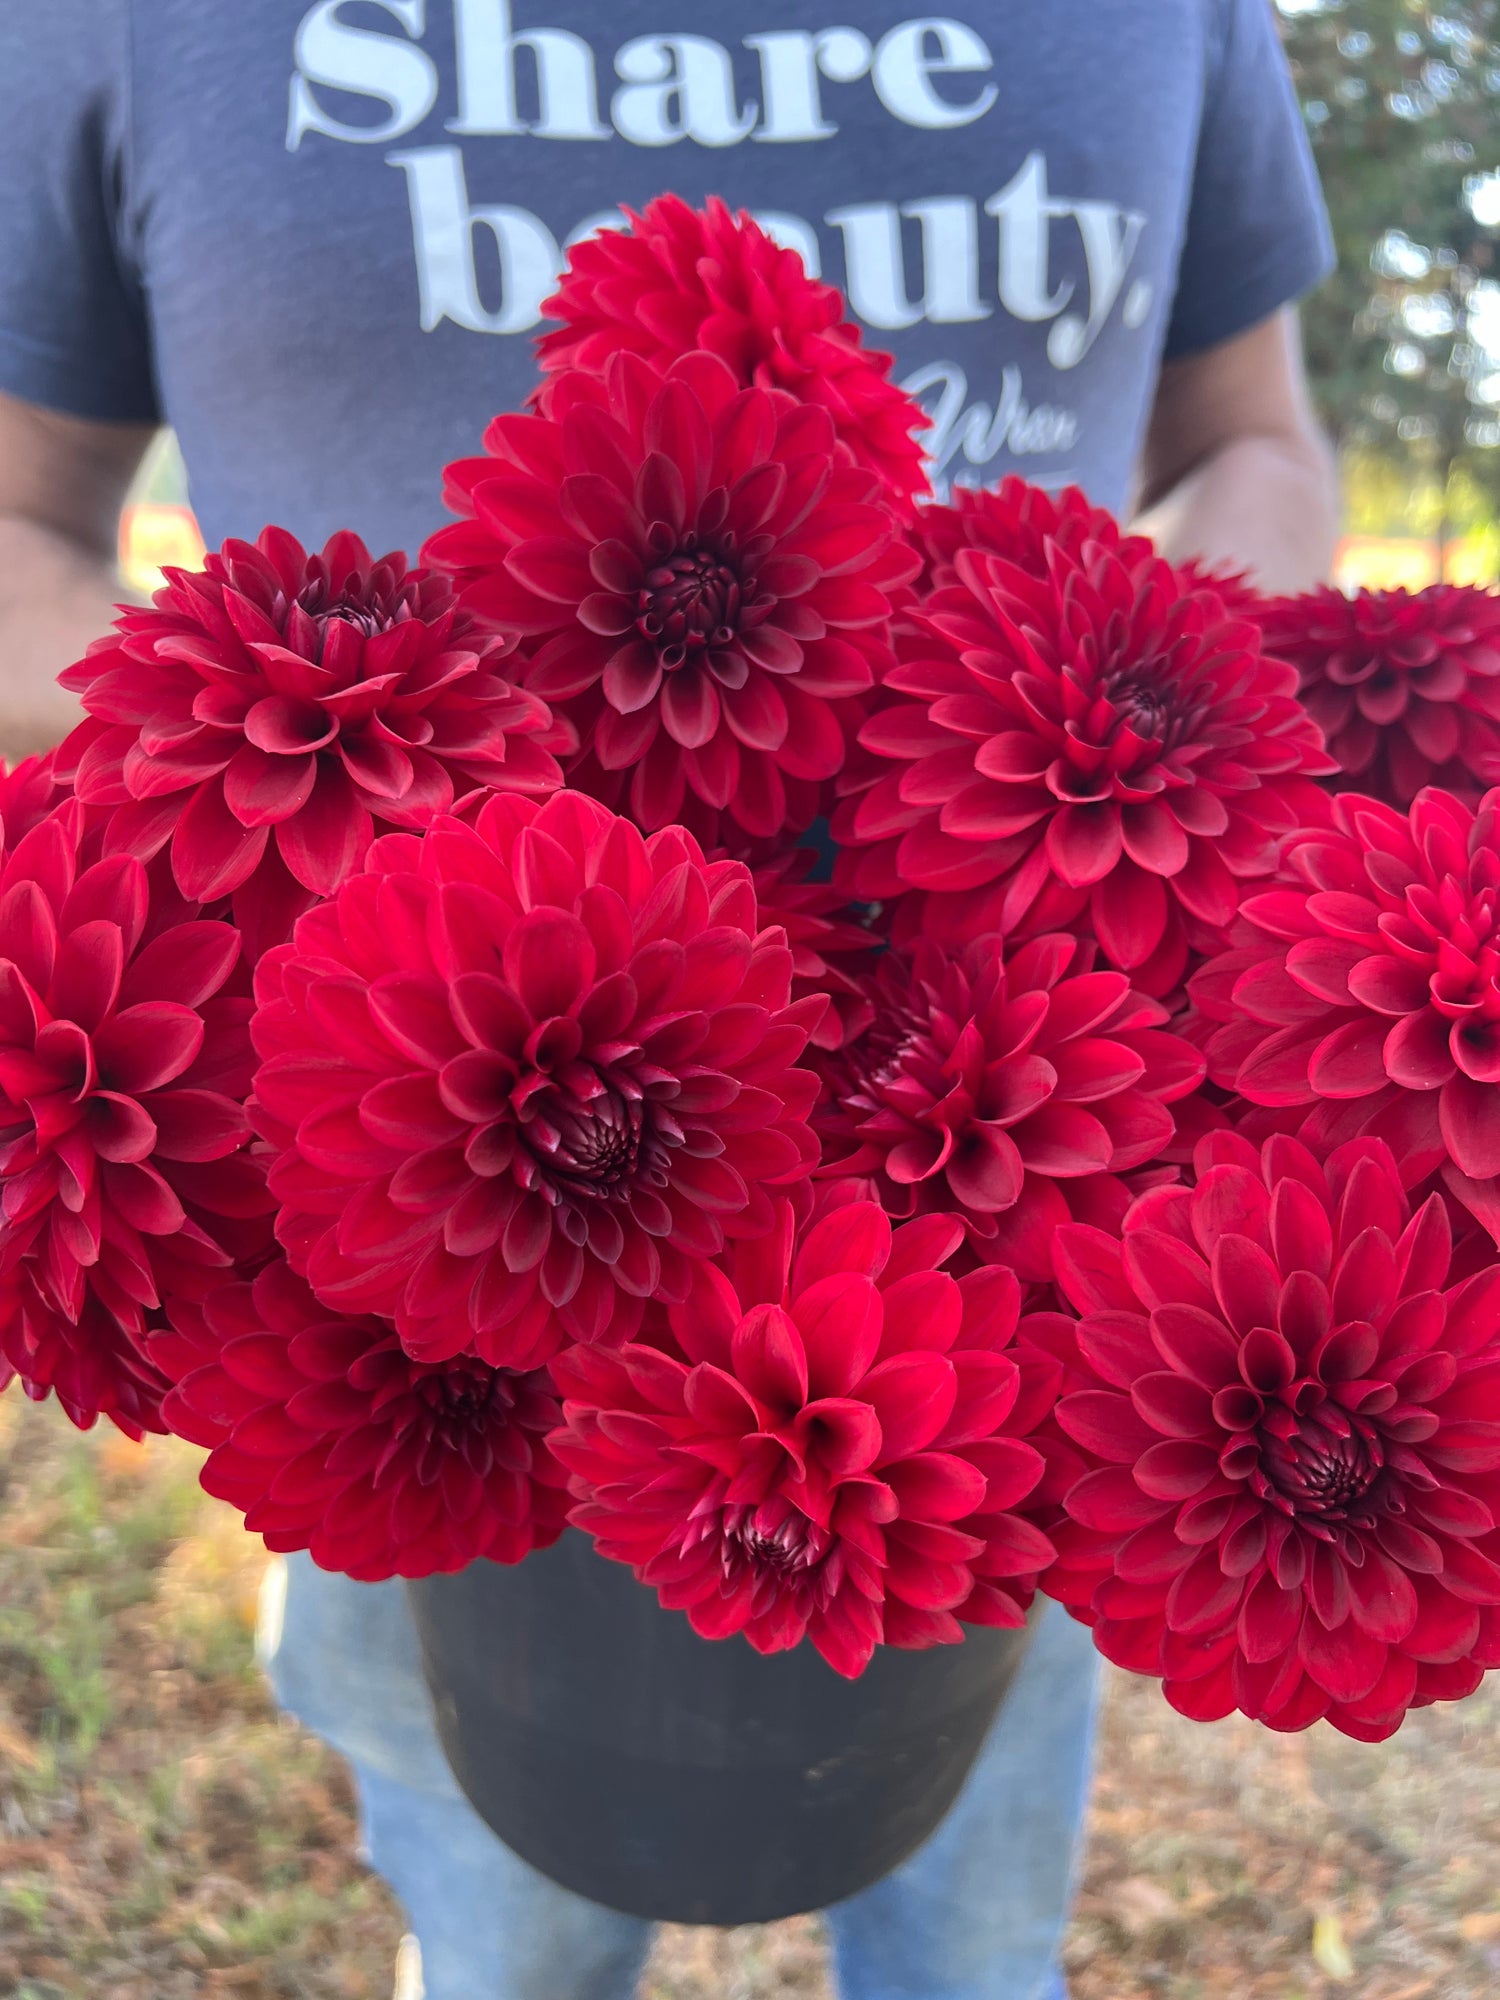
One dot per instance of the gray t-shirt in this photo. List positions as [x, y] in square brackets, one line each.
[315, 235]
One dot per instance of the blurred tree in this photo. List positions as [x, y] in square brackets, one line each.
[1402, 101]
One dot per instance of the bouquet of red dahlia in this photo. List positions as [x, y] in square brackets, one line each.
[873, 1055]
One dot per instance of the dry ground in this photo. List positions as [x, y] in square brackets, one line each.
[164, 1837]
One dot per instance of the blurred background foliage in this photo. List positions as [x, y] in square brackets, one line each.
[1402, 102]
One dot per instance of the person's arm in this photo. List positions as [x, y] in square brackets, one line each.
[62, 481]
[1235, 470]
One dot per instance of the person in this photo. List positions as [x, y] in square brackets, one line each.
[315, 236]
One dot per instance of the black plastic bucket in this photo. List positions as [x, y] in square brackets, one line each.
[682, 1779]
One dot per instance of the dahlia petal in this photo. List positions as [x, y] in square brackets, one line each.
[769, 1357]
[985, 1169]
[1111, 1501]
[552, 567]
[689, 708]
[1117, 1346]
[1349, 1062]
[212, 853]
[1386, 985]
[1106, 1425]
[1382, 1598]
[1128, 910]
[142, 1047]
[549, 959]
[324, 842]
[1205, 886]
[840, 1322]
[86, 976]
[1469, 1115]
[1202, 1600]
[1176, 1469]
[261, 790]
[1173, 1406]
[912, 1396]
[1445, 1628]
[1346, 1662]
[1269, 1621]
[1197, 1343]
[1088, 1268]
[1084, 843]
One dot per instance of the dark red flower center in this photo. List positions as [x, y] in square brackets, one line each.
[690, 602]
[1306, 1456]
[778, 1540]
[596, 1141]
[462, 1396]
[1147, 700]
[1324, 1464]
[464, 1410]
[372, 605]
[367, 619]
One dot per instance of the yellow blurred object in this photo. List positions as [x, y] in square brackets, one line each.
[219, 1566]
[154, 536]
[121, 1457]
[1481, 1927]
[1406, 562]
[1329, 1951]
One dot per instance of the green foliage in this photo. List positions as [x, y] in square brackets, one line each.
[1402, 101]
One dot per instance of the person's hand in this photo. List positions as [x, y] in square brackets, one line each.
[1235, 470]
[62, 482]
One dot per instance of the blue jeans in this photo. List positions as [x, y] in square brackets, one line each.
[977, 1913]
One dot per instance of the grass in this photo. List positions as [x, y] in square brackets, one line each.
[165, 1836]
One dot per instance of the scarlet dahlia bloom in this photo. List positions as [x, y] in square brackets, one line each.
[523, 1074]
[328, 1437]
[1364, 987]
[680, 278]
[700, 585]
[1405, 686]
[1102, 745]
[305, 696]
[1284, 1413]
[123, 1066]
[998, 1084]
[823, 1448]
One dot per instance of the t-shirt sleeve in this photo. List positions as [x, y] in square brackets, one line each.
[1257, 232]
[74, 334]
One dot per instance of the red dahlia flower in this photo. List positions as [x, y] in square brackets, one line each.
[123, 1069]
[1285, 1416]
[305, 695]
[523, 1074]
[328, 1437]
[1406, 687]
[680, 278]
[998, 1085]
[1365, 988]
[1101, 745]
[828, 1452]
[700, 586]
